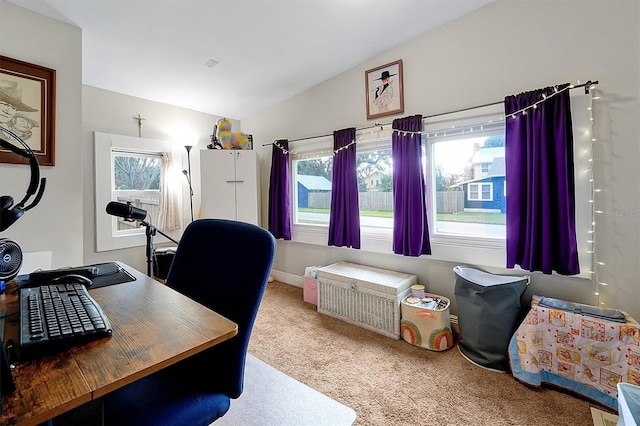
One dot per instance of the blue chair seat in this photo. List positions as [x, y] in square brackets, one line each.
[169, 397]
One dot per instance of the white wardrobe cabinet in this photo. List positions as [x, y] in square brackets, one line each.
[229, 182]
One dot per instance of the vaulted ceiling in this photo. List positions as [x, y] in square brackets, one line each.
[262, 51]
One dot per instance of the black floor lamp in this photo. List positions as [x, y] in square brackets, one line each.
[187, 173]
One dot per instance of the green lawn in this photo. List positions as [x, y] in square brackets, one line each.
[362, 212]
[466, 217]
[474, 217]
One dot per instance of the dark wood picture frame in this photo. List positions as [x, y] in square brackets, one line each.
[384, 97]
[31, 91]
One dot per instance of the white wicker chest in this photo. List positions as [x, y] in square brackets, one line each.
[363, 295]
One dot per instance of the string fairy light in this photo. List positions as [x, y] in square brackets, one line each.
[277, 144]
[596, 263]
[377, 128]
[453, 130]
[495, 122]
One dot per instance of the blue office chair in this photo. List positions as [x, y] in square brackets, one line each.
[225, 266]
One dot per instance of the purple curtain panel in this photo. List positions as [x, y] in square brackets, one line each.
[279, 200]
[541, 234]
[410, 228]
[344, 216]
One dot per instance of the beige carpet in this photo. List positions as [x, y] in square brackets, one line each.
[390, 382]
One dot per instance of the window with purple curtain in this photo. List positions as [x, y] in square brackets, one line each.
[279, 201]
[410, 228]
[541, 233]
[344, 216]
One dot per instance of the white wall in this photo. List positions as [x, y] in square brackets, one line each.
[501, 49]
[504, 48]
[56, 223]
[64, 221]
[110, 112]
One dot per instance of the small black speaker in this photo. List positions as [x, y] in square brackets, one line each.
[10, 259]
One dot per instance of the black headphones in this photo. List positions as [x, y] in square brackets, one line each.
[9, 213]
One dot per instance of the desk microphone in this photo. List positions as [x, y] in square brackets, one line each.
[126, 211]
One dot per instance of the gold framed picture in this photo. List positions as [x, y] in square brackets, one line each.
[27, 109]
[384, 90]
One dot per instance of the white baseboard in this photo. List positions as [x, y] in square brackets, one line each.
[287, 278]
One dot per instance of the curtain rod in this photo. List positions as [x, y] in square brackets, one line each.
[587, 87]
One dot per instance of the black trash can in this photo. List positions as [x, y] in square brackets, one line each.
[488, 313]
[162, 259]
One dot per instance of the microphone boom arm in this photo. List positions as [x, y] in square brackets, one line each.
[150, 232]
[154, 230]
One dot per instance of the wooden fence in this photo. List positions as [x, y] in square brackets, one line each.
[450, 201]
[447, 202]
[151, 206]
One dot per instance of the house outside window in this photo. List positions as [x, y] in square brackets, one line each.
[312, 189]
[374, 182]
[468, 200]
[375, 187]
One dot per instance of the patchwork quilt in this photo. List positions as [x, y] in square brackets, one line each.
[582, 353]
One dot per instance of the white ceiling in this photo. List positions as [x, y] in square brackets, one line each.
[268, 50]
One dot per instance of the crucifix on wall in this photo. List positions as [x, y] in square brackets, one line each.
[139, 119]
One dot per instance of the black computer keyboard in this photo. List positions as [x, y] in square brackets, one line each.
[58, 316]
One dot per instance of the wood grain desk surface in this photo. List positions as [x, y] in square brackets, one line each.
[153, 327]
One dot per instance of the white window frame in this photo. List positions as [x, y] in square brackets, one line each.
[472, 250]
[377, 240]
[480, 191]
[116, 193]
[105, 145]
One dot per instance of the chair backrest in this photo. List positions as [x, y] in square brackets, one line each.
[224, 265]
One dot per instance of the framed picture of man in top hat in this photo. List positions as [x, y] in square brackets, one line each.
[384, 90]
[27, 110]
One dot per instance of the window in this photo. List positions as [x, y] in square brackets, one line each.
[464, 165]
[376, 199]
[311, 176]
[312, 190]
[480, 192]
[466, 200]
[136, 180]
[128, 169]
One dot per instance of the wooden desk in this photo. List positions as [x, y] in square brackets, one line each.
[153, 327]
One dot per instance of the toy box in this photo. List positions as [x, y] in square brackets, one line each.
[363, 295]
